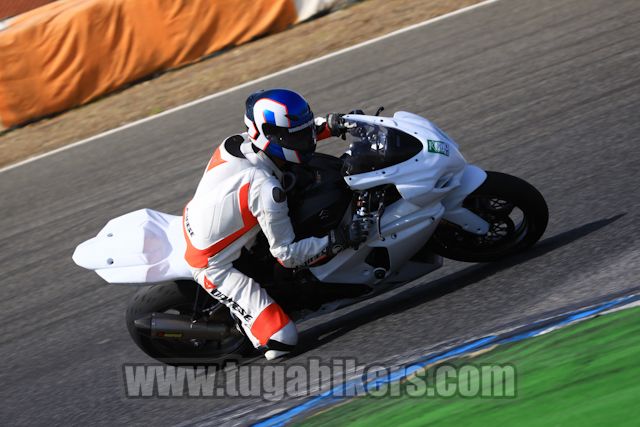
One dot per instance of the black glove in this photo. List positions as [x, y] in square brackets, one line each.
[349, 236]
[335, 123]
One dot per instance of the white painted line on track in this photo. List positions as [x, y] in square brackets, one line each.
[249, 83]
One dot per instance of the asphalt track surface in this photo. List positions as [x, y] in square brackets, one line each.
[547, 90]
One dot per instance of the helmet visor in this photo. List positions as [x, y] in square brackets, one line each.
[299, 139]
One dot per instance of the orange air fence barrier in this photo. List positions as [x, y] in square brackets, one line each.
[69, 52]
[10, 8]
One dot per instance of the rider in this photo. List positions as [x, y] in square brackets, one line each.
[241, 194]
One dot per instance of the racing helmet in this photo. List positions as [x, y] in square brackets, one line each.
[280, 123]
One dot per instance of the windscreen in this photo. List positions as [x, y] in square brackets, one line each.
[373, 147]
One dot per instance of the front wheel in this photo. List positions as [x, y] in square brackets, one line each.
[517, 215]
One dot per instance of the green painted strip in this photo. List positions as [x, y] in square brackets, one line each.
[585, 374]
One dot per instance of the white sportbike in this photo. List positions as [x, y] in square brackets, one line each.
[401, 175]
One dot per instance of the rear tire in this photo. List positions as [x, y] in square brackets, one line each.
[179, 298]
[516, 212]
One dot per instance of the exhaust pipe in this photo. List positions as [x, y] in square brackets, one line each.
[179, 326]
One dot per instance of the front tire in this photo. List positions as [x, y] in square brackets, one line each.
[179, 298]
[517, 215]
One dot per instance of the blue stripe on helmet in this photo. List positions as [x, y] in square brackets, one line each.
[270, 117]
[297, 108]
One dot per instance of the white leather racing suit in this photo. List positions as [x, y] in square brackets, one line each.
[239, 194]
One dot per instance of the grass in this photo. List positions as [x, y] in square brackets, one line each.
[584, 375]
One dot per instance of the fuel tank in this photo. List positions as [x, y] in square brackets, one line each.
[319, 198]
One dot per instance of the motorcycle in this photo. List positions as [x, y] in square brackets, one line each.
[401, 176]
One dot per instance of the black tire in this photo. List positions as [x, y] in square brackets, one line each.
[179, 298]
[517, 214]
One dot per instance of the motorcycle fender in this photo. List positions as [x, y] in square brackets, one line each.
[472, 178]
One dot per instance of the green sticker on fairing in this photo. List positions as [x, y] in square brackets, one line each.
[438, 147]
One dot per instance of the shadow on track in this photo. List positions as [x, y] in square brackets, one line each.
[429, 291]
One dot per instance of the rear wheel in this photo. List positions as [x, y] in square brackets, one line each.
[517, 215]
[179, 299]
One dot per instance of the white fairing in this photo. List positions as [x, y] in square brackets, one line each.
[433, 186]
[428, 178]
[144, 246]
[405, 229]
